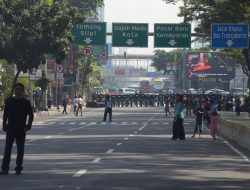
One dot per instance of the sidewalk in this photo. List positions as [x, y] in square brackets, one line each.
[243, 119]
[236, 128]
[53, 112]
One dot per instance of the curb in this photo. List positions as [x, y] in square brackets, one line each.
[235, 131]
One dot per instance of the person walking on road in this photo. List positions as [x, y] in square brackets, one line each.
[237, 106]
[80, 105]
[178, 128]
[75, 103]
[64, 104]
[214, 124]
[16, 111]
[108, 108]
[167, 105]
[199, 113]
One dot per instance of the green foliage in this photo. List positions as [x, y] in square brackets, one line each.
[161, 58]
[207, 12]
[43, 83]
[86, 8]
[33, 29]
[7, 76]
[24, 81]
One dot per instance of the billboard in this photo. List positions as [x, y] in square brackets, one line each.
[209, 65]
[208, 69]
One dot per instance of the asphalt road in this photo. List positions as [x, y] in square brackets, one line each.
[134, 152]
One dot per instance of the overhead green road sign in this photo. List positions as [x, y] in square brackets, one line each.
[129, 35]
[172, 35]
[89, 33]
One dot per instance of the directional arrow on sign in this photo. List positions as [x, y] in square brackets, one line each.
[129, 42]
[172, 42]
[88, 40]
[229, 43]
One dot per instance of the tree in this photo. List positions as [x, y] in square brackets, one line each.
[207, 12]
[174, 58]
[43, 83]
[35, 28]
[6, 77]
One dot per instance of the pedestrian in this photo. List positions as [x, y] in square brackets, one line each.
[199, 114]
[108, 108]
[178, 128]
[167, 105]
[237, 105]
[188, 105]
[64, 104]
[75, 103]
[207, 111]
[80, 104]
[15, 124]
[214, 124]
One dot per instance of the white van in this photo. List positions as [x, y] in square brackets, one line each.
[123, 91]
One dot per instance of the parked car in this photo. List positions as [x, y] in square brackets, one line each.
[127, 91]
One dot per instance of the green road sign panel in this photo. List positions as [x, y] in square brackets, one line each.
[129, 35]
[89, 33]
[172, 35]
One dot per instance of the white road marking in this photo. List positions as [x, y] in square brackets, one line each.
[47, 137]
[50, 123]
[236, 150]
[96, 160]
[126, 138]
[110, 151]
[61, 133]
[72, 123]
[136, 132]
[242, 155]
[131, 135]
[82, 123]
[119, 144]
[79, 173]
[61, 123]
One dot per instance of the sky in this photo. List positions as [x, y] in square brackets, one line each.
[140, 11]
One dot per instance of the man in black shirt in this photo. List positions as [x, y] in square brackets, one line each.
[16, 110]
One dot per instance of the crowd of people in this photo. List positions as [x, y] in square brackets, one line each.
[205, 113]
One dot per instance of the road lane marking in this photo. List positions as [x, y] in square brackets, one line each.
[236, 150]
[110, 151]
[242, 155]
[77, 128]
[96, 160]
[126, 138]
[80, 173]
[131, 135]
[61, 133]
[47, 137]
[72, 123]
[119, 144]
